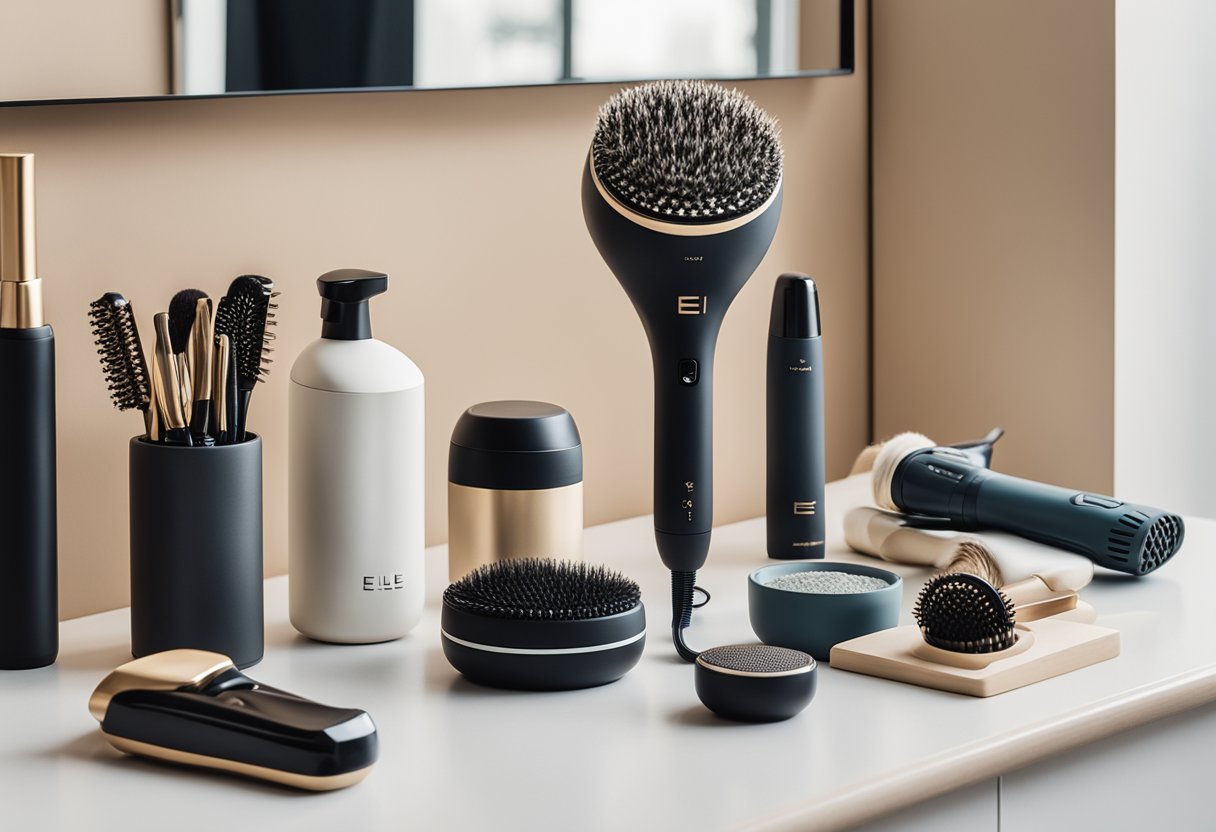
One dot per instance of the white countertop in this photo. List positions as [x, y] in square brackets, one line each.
[638, 754]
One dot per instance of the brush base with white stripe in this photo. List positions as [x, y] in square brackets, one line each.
[543, 654]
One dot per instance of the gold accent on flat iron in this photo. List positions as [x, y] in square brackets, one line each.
[20, 287]
[314, 783]
[171, 670]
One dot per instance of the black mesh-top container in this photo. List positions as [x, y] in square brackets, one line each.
[196, 549]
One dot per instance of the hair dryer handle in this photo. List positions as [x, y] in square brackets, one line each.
[683, 455]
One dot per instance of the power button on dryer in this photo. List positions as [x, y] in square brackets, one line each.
[688, 371]
[1098, 502]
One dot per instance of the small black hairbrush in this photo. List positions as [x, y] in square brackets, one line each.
[123, 363]
[964, 613]
[245, 314]
[540, 624]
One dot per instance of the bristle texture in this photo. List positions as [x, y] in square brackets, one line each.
[543, 590]
[965, 614]
[181, 317]
[122, 355]
[245, 315]
[687, 151]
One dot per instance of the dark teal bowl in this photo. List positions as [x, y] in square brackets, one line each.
[814, 622]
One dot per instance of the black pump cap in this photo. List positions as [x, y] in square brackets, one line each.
[515, 445]
[795, 308]
[345, 293]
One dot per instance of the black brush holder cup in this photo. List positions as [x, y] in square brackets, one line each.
[196, 549]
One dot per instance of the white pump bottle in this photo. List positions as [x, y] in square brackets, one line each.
[355, 475]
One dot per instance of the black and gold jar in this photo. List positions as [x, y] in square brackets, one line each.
[515, 485]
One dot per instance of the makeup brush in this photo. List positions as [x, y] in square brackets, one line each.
[182, 309]
[122, 355]
[169, 387]
[200, 354]
[244, 314]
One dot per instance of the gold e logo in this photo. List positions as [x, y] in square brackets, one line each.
[804, 507]
[691, 304]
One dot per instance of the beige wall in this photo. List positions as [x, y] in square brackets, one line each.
[470, 201]
[993, 131]
[83, 48]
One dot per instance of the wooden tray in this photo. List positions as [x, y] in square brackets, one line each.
[1046, 648]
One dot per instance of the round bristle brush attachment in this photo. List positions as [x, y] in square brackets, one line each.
[755, 682]
[687, 151]
[539, 624]
[964, 613]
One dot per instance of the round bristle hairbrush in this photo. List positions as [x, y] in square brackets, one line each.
[540, 624]
[963, 613]
[122, 354]
[755, 682]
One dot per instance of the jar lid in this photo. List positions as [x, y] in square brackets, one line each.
[515, 445]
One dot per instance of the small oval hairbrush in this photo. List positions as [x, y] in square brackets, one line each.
[964, 613]
[540, 624]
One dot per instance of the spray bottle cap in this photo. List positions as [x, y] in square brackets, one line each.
[795, 308]
[345, 293]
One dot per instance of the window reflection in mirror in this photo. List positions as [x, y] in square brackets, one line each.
[276, 45]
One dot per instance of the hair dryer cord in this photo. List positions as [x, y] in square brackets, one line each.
[683, 588]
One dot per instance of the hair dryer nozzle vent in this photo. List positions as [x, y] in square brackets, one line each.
[1160, 541]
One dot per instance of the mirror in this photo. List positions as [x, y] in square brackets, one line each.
[251, 47]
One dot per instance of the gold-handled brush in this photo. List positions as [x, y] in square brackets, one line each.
[200, 352]
[219, 391]
[169, 387]
[156, 421]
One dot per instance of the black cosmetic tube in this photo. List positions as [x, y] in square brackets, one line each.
[196, 549]
[29, 596]
[795, 483]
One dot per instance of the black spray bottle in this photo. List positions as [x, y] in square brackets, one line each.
[795, 421]
[29, 601]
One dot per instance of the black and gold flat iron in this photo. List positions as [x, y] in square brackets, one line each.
[195, 708]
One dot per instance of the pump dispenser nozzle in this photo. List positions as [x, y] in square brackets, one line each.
[345, 293]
